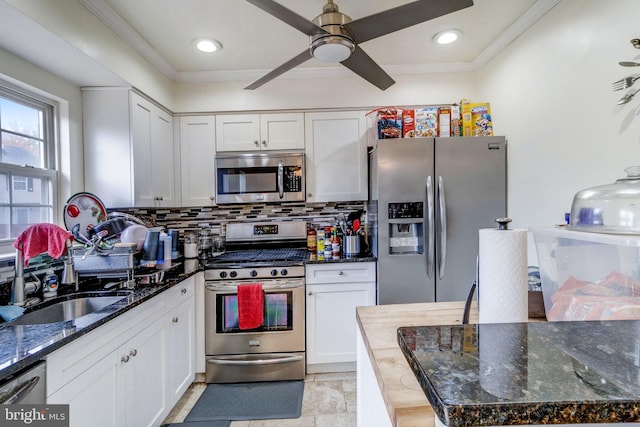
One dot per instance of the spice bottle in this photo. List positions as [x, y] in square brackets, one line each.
[335, 246]
[320, 244]
[312, 242]
[327, 243]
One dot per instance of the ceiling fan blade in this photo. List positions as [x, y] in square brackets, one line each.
[400, 17]
[288, 16]
[362, 64]
[304, 56]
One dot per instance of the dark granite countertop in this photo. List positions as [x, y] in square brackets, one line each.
[358, 258]
[528, 373]
[23, 345]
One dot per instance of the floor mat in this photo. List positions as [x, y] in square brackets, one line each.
[249, 401]
[209, 423]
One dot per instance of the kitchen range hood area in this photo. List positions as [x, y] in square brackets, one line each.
[149, 136]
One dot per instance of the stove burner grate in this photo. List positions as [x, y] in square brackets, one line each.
[260, 255]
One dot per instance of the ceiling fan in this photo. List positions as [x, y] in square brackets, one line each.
[335, 37]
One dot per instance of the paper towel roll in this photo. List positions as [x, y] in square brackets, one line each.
[502, 276]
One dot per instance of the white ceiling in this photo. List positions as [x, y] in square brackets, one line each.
[255, 42]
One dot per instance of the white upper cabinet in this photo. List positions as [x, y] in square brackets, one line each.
[255, 132]
[336, 163]
[197, 156]
[128, 149]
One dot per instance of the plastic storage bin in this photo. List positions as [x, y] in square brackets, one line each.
[588, 276]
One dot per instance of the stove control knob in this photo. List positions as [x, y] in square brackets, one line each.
[253, 273]
[284, 272]
[223, 274]
[233, 274]
[274, 272]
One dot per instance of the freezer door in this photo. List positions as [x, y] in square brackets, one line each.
[403, 168]
[470, 176]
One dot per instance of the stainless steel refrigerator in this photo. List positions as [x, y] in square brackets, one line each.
[428, 199]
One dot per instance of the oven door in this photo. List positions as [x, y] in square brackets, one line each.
[274, 352]
[260, 177]
[283, 328]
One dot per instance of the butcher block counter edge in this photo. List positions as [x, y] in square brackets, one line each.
[404, 399]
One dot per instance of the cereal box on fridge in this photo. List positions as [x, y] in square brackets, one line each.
[426, 122]
[456, 121]
[389, 123]
[408, 124]
[476, 119]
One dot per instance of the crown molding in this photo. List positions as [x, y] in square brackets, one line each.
[118, 25]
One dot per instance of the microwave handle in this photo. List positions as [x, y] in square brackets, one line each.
[281, 178]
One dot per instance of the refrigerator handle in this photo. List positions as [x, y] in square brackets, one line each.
[442, 202]
[430, 228]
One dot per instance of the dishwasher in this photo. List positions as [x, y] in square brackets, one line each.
[25, 387]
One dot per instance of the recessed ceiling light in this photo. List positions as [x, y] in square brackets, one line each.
[207, 45]
[446, 37]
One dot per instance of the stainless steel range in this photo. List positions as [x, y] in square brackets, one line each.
[272, 254]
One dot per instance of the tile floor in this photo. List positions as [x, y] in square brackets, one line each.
[329, 400]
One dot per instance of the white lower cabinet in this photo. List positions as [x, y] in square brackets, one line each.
[131, 370]
[333, 293]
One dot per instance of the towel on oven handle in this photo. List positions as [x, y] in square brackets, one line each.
[250, 305]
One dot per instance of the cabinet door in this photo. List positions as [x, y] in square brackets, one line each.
[142, 377]
[336, 148]
[141, 118]
[197, 156]
[181, 348]
[283, 131]
[162, 166]
[331, 320]
[238, 132]
[93, 398]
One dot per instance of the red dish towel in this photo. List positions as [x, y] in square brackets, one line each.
[41, 238]
[250, 305]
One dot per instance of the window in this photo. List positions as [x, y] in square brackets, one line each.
[27, 167]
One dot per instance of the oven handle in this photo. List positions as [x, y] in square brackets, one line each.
[281, 179]
[213, 287]
[275, 361]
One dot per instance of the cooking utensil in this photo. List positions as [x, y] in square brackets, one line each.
[627, 97]
[629, 64]
[109, 228]
[624, 83]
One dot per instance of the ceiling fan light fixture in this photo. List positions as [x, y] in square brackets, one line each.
[332, 48]
[207, 45]
[447, 36]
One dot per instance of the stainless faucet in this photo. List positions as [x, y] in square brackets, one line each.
[20, 289]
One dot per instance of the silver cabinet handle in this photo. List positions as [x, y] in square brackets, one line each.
[264, 143]
[310, 293]
[125, 359]
[341, 273]
[309, 194]
[19, 392]
[442, 201]
[183, 290]
[257, 143]
[175, 319]
[133, 352]
[212, 198]
[430, 228]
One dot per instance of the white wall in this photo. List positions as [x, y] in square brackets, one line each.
[550, 94]
[349, 91]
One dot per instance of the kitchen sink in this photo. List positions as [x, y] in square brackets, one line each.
[69, 309]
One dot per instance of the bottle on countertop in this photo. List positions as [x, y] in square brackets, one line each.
[327, 243]
[50, 284]
[312, 241]
[320, 244]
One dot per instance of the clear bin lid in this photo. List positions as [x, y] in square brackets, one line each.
[611, 208]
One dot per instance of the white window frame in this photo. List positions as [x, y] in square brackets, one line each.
[49, 171]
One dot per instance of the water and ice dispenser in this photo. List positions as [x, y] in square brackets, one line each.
[406, 228]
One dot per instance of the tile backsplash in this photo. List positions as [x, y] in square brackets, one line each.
[194, 219]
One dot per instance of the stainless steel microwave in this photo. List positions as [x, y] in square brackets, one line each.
[260, 177]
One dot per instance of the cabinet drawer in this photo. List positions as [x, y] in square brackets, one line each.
[181, 292]
[341, 273]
